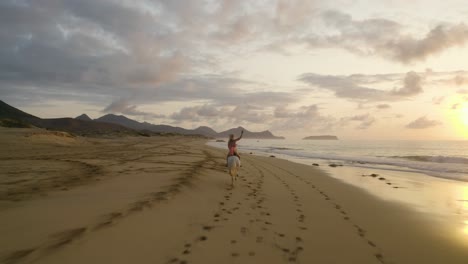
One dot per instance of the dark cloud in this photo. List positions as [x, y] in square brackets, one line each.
[423, 123]
[83, 45]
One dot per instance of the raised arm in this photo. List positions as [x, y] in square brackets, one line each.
[240, 136]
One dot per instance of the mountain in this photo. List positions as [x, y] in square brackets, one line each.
[202, 130]
[130, 123]
[321, 137]
[111, 124]
[84, 117]
[122, 120]
[248, 134]
[207, 131]
[11, 116]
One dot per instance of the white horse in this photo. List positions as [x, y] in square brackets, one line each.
[233, 167]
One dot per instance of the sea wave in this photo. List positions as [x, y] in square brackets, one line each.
[449, 167]
[437, 159]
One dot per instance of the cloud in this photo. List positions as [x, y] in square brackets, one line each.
[460, 79]
[242, 113]
[196, 113]
[353, 86]
[305, 118]
[101, 47]
[407, 49]
[383, 106]
[411, 85]
[385, 38]
[438, 100]
[342, 86]
[364, 121]
[292, 14]
[123, 106]
[423, 123]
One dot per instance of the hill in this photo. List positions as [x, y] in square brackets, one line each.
[13, 117]
[84, 117]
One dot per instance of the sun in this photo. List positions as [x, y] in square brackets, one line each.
[457, 113]
[464, 114]
[462, 119]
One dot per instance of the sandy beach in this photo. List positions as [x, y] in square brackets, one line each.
[168, 199]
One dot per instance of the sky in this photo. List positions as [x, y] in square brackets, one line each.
[358, 69]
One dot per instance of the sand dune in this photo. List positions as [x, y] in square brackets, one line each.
[169, 200]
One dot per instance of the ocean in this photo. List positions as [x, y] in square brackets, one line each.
[443, 159]
[430, 177]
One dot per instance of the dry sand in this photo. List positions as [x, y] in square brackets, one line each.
[67, 199]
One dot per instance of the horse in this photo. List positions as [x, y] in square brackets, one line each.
[233, 167]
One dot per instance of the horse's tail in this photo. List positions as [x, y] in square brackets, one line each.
[233, 164]
[233, 171]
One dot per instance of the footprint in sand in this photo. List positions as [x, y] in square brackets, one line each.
[243, 230]
[379, 257]
[280, 234]
[371, 243]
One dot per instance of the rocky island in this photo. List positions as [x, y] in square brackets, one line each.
[321, 137]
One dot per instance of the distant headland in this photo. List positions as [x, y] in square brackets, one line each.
[321, 137]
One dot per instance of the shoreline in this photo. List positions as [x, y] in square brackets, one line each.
[163, 202]
[444, 199]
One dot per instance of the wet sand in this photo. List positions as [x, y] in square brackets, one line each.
[169, 200]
